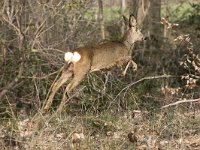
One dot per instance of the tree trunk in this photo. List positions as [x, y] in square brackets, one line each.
[167, 33]
[123, 7]
[101, 19]
[148, 17]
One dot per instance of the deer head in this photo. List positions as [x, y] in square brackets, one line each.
[133, 34]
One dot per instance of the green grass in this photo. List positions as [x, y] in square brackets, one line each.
[178, 12]
[110, 13]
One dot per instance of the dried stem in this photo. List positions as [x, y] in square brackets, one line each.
[181, 101]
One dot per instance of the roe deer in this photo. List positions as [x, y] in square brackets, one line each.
[88, 59]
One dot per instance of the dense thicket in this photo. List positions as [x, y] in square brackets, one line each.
[35, 35]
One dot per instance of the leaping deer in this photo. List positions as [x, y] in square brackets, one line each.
[89, 59]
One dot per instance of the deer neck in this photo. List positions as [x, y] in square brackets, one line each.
[128, 44]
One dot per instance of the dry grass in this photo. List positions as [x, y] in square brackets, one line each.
[169, 129]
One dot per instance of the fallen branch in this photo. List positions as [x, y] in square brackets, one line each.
[181, 101]
[145, 78]
[150, 78]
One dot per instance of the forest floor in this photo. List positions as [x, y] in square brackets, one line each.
[171, 128]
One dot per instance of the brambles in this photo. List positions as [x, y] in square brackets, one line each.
[190, 61]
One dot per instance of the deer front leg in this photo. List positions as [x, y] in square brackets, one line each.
[134, 66]
[125, 70]
[64, 77]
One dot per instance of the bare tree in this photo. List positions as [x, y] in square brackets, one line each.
[148, 17]
[123, 7]
[33, 36]
[12, 16]
[101, 19]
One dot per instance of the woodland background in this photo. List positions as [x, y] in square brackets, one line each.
[157, 107]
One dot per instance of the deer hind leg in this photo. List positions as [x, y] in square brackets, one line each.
[125, 70]
[79, 75]
[66, 74]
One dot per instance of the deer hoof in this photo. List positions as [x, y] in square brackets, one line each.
[45, 108]
[123, 73]
[135, 68]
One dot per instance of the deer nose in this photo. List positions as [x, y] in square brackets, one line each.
[145, 38]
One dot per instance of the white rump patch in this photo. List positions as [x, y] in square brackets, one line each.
[68, 56]
[76, 57]
[72, 57]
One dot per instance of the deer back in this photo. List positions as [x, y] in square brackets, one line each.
[107, 55]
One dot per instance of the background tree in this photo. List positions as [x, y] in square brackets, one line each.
[101, 19]
[148, 14]
[122, 9]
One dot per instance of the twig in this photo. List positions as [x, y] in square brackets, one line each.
[21, 47]
[150, 78]
[181, 101]
[11, 84]
[40, 78]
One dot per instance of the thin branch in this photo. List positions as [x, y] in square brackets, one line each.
[180, 102]
[21, 45]
[145, 78]
[47, 49]
[11, 84]
[11, 24]
[43, 77]
[151, 78]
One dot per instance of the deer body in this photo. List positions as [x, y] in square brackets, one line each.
[96, 58]
[96, 54]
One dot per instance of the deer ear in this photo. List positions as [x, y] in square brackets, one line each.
[126, 21]
[132, 21]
